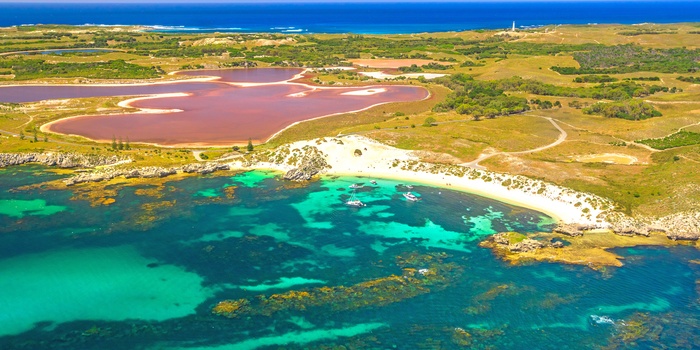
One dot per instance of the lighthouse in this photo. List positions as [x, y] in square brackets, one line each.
[513, 29]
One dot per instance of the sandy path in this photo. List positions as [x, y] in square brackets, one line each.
[562, 137]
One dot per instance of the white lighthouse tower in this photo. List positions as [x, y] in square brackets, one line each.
[513, 29]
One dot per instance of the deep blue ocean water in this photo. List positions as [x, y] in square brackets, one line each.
[351, 18]
[146, 271]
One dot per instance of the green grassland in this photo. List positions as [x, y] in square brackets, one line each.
[654, 121]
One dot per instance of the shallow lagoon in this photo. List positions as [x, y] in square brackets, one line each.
[102, 277]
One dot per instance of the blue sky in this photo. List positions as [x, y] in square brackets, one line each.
[292, 1]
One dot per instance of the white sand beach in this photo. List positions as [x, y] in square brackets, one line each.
[381, 161]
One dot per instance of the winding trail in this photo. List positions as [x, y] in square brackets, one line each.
[562, 137]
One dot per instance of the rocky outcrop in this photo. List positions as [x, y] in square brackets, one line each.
[526, 245]
[204, 168]
[681, 226]
[311, 164]
[108, 174]
[570, 229]
[518, 243]
[144, 172]
[61, 160]
[631, 230]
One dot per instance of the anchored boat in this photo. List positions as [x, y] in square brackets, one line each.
[411, 197]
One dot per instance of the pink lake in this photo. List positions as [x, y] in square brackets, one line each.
[215, 113]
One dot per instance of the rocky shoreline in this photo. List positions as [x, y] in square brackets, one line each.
[61, 160]
[74, 160]
[145, 172]
[310, 161]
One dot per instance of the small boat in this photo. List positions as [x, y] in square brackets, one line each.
[373, 182]
[410, 187]
[355, 186]
[411, 197]
[354, 202]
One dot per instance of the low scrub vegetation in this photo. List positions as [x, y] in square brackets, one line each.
[679, 139]
[629, 109]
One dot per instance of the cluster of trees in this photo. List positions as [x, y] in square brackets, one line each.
[25, 69]
[414, 68]
[478, 98]
[436, 66]
[578, 104]
[411, 69]
[632, 58]
[679, 139]
[644, 79]
[595, 79]
[501, 49]
[545, 104]
[616, 91]
[35, 135]
[628, 109]
[120, 145]
[645, 31]
[694, 80]
[382, 47]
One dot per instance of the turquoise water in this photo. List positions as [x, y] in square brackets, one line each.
[145, 272]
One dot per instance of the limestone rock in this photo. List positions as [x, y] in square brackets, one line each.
[312, 164]
[526, 245]
[204, 168]
[62, 160]
[570, 229]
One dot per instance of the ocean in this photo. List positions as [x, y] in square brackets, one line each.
[143, 266]
[361, 18]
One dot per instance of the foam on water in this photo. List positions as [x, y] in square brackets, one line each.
[93, 284]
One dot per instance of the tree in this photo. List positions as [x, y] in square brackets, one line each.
[121, 144]
[114, 142]
[127, 146]
[250, 145]
[236, 148]
[46, 138]
[36, 139]
[429, 121]
[21, 135]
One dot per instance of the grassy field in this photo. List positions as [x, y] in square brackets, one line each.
[660, 181]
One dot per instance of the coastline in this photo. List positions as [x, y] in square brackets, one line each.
[382, 161]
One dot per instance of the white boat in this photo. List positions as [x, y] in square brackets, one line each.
[411, 197]
[354, 202]
[410, 187]
[355, 186]
[373, 182]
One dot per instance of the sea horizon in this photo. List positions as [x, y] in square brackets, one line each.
[359, 18]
